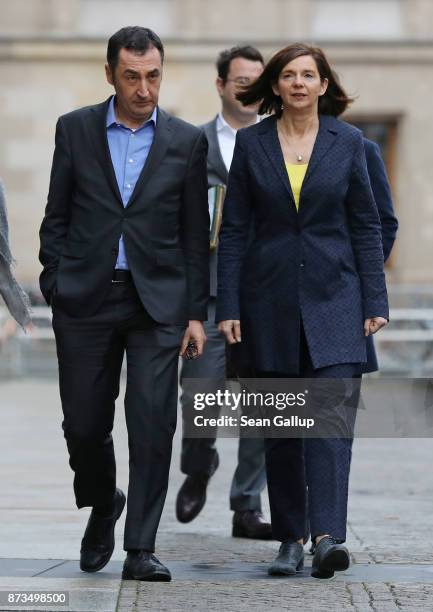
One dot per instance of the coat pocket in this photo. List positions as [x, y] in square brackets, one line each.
[74, 249]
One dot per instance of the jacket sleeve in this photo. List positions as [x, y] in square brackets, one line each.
[382, 195]
[234, 236]
[195, 230]
[55, 224]
[365, 233]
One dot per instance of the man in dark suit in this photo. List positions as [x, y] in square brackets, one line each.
[124, 249]
[236, 67]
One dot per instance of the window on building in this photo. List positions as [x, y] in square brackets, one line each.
[357, 19]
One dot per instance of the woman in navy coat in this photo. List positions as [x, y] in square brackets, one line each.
[306, 291]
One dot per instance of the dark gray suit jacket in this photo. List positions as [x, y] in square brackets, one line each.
[165, 225]
[216, 175]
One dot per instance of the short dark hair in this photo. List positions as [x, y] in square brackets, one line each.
[226, 57]
[135, 39]
[333, 102]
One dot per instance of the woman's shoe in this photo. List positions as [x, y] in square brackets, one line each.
[290, 559]
[329, 557]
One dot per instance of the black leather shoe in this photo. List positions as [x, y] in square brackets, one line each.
[329, 557]
[290, 559]
[192, 494]
[251, 524]
[143, 565]
[97, 544]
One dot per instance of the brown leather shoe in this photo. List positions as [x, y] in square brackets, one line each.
[191, 497]
[192, 494]
[251, 524]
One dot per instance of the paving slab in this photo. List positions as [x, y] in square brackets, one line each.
[219, 572]
[83, 594]
[27, 567]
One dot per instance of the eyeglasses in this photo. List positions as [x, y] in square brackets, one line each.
[241, 81]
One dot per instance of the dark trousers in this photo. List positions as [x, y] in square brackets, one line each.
[90, 352]
[322, 464]
[199, 454]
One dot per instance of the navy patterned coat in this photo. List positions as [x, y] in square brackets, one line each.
[323, 263]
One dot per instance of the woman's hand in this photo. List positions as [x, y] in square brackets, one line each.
[371, 326]
[195, 334]
[231, 330]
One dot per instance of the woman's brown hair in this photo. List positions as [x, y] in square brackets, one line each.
[333, 102]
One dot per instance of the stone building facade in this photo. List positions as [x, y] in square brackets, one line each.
[52, 61]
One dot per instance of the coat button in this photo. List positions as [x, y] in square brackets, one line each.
[302, 265]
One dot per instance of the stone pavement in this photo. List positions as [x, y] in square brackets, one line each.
[390, 519]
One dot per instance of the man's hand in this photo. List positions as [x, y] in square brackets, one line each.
[29, 328]
[371, 326]
[231, 330]
[194, 333]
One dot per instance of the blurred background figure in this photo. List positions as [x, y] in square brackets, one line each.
[13, 295]
[237, 67]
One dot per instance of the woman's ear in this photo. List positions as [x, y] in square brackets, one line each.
[275, 89]
[324, 87]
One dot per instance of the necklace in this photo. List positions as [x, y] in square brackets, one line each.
[299, 157]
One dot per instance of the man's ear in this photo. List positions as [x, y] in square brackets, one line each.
[108, 74]
[219, 85]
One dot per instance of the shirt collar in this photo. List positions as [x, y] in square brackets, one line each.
[223, 125]
[111, 116]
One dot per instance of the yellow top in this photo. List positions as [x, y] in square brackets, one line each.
[296, 174]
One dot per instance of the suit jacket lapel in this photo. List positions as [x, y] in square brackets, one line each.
[215, 159]
[98, 131]
[271, 144]
[161, 141]
[325, 139]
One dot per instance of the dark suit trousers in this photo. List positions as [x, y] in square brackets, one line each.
[199, 454]
[322, 464]
[90, 353]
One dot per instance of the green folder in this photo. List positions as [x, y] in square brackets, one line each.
[216, 196]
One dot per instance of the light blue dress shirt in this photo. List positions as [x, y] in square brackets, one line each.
[129, 150]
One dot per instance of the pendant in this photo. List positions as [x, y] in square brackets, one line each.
[300, 158]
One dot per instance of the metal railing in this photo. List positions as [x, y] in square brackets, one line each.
[404, 347]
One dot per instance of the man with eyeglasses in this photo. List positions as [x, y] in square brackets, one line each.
[236, 68]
